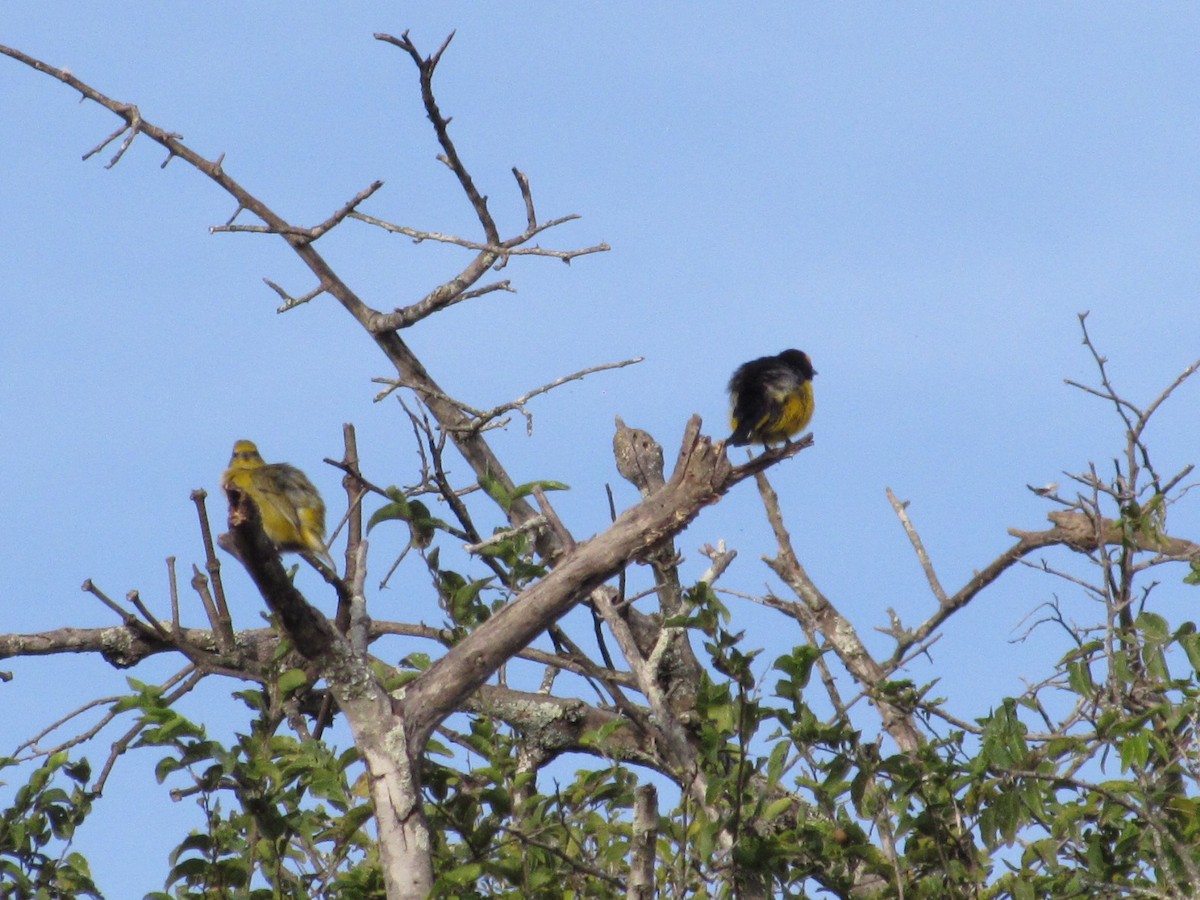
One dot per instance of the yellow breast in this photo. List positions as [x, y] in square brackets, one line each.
[791, 416]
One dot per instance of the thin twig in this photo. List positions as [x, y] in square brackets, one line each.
[200, 586]
[135, 598]
[32, 743]
[441, 125]
[519, 403]
[501, 536]
[1161, 398]
[173, 585]
[127, 618]
[290, 302]
[501, 250]
[308, 234]
[915, 539]
[189, 678]
[223, 624]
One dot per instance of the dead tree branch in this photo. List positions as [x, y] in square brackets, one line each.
[701, 476]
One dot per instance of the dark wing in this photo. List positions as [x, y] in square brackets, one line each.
[758, 388]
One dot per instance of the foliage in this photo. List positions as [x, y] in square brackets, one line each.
[36, 829]
[278, 812]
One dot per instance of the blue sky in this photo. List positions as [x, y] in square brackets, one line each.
[921, 197]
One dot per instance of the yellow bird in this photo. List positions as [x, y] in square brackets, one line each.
[772, 398]
[292, 512]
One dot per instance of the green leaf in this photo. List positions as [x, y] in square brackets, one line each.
[1156, 662]
[524, 490]
[776, 762]
[1079, 676]
[1191, 646]
[1135, 750]
[777, 808]
[1120, 662]
[494, 488]
[291, 680]
[1154, 627]
[467, 874]
[421, 523]
[80, 771]
[424, 525]
[599, 736]
[397, 509]
[1004, 744]
[165, 767]
[416, 660]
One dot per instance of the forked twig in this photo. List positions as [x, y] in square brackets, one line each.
[482, 418]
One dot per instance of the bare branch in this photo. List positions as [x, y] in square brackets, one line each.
[1123, 407]
[32, 744]
[127, 617]
[135, 598]
[309, 234]
[721, 560]
[501, 536]
[223, 623]
[560, 725]
[518, 405]
[816, 608]
[473, 447]
[644, 843]
[501, 251]
[489, 255]
[173, 584]
[1161, 398]
[639, 458]
[527, 196]
[290, 302]
[441, 125]
[200, 586]
[356, 488]
[482, 419]
[915, 539]
[1072, 529]
[702, 474]
[1170, 485]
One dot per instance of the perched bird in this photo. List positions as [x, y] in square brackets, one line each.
[292, 512]
[772, 398]
[1046, 490]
